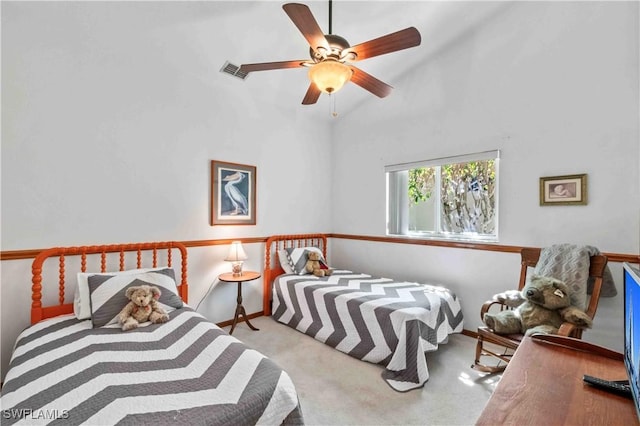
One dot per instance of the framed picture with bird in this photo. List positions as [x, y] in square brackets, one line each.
[233, 194]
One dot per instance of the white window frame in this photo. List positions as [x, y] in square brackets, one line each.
[397, 217]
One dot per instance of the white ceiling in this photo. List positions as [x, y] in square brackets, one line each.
[260, 31]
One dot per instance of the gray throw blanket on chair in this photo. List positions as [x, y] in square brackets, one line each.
[570, 263]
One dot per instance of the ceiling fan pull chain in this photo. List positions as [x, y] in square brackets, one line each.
[332, 98]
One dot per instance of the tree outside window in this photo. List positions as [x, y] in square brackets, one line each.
[451, 200]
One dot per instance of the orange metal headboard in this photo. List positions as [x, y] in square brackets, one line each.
[39, 312]
[272, 266]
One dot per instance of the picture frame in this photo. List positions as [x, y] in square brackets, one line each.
[233, 194]
[563, 190]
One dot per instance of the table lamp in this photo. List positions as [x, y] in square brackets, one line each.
[236, 256]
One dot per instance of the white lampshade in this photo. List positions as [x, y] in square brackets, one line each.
[236, 256]
[330, 75]
[236, 252]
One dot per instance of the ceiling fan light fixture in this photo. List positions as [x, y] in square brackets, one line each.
[330, 75]
[329, 52]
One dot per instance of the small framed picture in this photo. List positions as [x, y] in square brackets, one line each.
[233, 194]
[563, 190]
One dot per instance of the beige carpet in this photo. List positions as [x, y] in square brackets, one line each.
[336, 389]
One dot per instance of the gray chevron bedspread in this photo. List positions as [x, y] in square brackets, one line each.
[186, 371]
[378, 320]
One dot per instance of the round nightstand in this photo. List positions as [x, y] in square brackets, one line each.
[230, 278]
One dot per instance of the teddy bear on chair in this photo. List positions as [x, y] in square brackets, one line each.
[545, 305]
[143, 306]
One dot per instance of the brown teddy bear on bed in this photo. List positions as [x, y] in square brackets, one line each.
[143, 306]
[316, 265]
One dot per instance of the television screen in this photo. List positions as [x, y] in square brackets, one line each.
[632, 330]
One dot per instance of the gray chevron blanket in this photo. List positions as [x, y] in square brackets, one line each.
[570, 263]
[186, 371]
[378, 320]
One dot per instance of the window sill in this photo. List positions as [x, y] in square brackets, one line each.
[445, 237]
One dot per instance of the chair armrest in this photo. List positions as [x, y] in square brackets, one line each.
[486, 306]
[568, 329]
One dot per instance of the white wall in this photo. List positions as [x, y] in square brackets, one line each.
[112, 111]
[554, 86]
[111, 114]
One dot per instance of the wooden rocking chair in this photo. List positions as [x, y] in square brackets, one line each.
[507, 344]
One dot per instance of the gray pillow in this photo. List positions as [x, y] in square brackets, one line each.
[108, 292]
[298, 258]
[283, 259]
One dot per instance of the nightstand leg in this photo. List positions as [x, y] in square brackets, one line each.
[240, 312]
[246, 319]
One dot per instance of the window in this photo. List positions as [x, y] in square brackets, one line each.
[446, 198]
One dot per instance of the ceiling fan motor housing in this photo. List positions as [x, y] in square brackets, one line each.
[339, 52]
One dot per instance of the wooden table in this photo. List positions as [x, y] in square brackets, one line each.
[240, 311]
[542, 385]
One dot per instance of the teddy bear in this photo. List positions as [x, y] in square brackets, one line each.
[143, 306]
[542, 306]
[316, 265]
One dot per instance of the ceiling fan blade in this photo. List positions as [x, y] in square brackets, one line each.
[264, 66]
[302, 17]
[312, 95]
[370, 83]
[403, 39]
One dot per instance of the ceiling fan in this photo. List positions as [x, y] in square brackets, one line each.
[331, 56]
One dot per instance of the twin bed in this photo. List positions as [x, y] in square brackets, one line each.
[75, 365]
[66, 370]
[379, 320]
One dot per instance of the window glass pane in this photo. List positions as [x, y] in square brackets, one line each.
[423, 189]
[450, 200]
[468, 197]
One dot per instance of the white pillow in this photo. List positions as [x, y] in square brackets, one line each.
[284, 262]
[81, 297]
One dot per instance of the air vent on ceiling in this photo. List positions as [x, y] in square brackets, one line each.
[234, 70]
